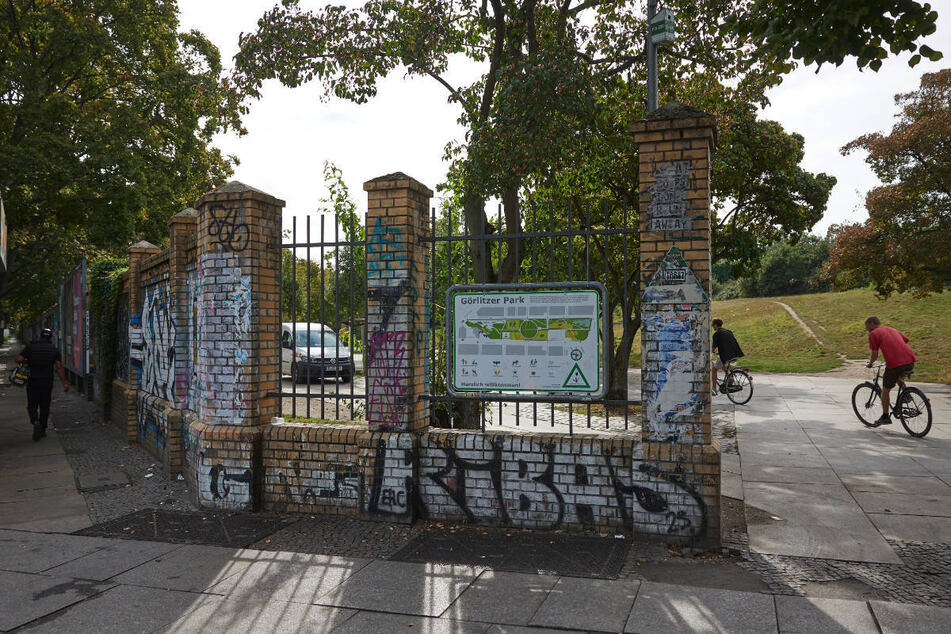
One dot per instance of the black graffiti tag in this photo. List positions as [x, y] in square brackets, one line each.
[224, 229]
[219, 473]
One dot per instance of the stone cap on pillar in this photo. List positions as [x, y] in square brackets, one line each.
[143, 247]
[676, 115]
[236, 190]
[397, 180]
[188, 215]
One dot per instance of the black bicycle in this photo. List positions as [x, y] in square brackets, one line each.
[737, 383]
[911, 406]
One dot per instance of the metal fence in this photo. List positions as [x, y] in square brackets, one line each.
[323, 291]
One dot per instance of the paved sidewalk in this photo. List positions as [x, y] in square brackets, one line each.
[67, 583]
[51, 581]
[37, 485]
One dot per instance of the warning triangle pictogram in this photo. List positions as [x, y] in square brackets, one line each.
[576, 378]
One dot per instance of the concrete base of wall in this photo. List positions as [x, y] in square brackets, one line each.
[533, 480]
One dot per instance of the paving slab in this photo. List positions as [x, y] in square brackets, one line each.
[913, 528]
[188, 568]
[102, 480]
[119, 610]
[23, 551]
[663, 608]
[886, 483]
[586, 604]
[523, 629]
[803, 615]
[26, 597]
[904, 503]
[901, 618]
[217, 614]
[407, 588]
[502, 597]
[790, 475]
[777, 457]
[730, 463]
[60, 514]
[815, 520]
[377, 623]
[844, 461]
[296, 577]
[117, 557]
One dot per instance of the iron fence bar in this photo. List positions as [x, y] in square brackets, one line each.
[604, 342]
[534, 281]
[352, 331]
[431, 282]
[337, 312]
[501, 245]
[310, 359]
[587, 270]
[508, 397]
[624, 319]
[551, 273]
[294, 320]
[495, 237]
[323, 356]
[346, 243]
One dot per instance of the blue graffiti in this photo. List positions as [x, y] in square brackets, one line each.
[384, 249]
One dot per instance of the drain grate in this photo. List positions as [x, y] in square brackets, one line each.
[215, 529]
[519, 551]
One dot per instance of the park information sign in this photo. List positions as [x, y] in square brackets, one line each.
[527, 338]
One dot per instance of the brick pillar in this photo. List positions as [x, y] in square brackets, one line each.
[239, 232]
[181, 230]
[396, 361]
[674, 145]
[138, 253]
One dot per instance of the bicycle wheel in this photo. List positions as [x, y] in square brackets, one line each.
[914, 411]
[866, 401]
[739, 387]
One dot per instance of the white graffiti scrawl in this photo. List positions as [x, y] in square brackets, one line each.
[223, 338]
[152, 342]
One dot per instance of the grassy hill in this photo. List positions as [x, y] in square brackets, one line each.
[774, 342]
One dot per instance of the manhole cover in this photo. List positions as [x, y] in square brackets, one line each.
[216, 529]
[519, 551]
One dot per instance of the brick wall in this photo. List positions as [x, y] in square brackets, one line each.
[520, 479]
[674, 145]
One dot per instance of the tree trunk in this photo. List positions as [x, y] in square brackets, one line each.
[630, 314]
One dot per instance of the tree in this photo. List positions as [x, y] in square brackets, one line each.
[549, 115]
[106, 120]
[830, 31]
[904, 245]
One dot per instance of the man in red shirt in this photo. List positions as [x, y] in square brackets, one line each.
[899, 359]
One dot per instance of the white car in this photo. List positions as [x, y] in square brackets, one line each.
[312, 351]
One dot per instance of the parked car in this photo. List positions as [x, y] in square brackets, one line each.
[313, 351]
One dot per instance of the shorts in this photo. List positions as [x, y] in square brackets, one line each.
[890, 378]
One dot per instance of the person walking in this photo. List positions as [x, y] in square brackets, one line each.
[727, 348]
[43, 357]
[899, 360]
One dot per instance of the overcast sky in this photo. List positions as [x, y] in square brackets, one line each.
[291, 132]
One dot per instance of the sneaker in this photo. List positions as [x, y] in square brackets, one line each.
[884, 419]
[37, 432]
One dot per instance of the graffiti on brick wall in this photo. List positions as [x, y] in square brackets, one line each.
[387, 363]
[223, 483]
[343, 483]
[673, 506]
[385, 256]
[187, 385]
[675, 366]
[387, 369]
[667, 208]
[152, 422]
[223, 339]
[510, 481]
[152, 342]
[225, 230]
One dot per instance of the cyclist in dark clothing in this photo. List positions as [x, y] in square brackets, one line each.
[43, 357]
[726, 346]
